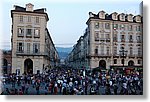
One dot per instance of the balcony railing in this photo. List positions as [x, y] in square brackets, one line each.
[130, 40]
[122, 40]
[115, 39]
[102, 39]
[139, 55]
[96, 39]
[99, 55]
[31, 53]
[139, 41]
[131, 55]
[115, 54]
[105, 39]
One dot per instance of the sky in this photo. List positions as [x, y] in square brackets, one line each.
[67, 18]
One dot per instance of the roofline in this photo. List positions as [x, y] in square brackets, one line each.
[17, 11]
[111, 20]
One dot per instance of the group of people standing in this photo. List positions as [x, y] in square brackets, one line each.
[64, 81]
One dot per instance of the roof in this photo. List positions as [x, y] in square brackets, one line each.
[37, 11]
[109, 17]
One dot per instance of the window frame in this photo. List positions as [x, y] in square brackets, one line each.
[27, 32]
[37, 20]
[107, 25]
[20, 47]
[36, 48]
[37, 35]
[115, 61]
[21, 34]
[21, 19]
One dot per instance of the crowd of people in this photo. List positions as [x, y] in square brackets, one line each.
[64, 81]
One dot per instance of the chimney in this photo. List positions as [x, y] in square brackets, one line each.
[29, 7]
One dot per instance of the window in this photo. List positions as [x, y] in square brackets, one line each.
[115, 61]
[122, 61]
[139, 51]
[37, 20]
[21, 19]
[28, 47]
[96, 36]
[107, 36]
[138, 18]
[96, 25]
[139, 61]
[115, 50]
[102, 49]
[36, 47]
[28, 32]
[20, 47]
[107, 51]
[107, 26]
[96, 50]
[122, 38]
[115, 16]
[122, 17]
[131, 51]
[20, 31]
[102, 35]
[36, 33]
[122, 27]
[138, 38]
[29, 18]
[130, 38]
[115, 26]
[138, 28]
[115, 38]
[130, 28]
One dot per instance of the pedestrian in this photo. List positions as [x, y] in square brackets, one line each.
[20, 92]
[55, 89]
[7, 91]
[115, 89]
[37, 89]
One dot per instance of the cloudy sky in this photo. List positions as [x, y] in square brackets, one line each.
[67, 18]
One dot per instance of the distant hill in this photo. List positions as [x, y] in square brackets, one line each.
[63, 52]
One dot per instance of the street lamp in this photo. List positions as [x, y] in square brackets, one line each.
[123, 53]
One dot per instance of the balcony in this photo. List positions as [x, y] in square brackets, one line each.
[122, 40]
[102, 39]
[107, 39]
[96, 39]
[19, 53]
[131, 55]
[130, 40]
[139, 55]
[20, 35]
[115, 39]
[99, 55]
[139, 41]
[116, 55]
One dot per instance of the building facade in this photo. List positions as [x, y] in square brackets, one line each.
[111, 40]
[5, 59]
[32, 47]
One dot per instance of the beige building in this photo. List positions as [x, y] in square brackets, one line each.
[32, 47]
[111, 40]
